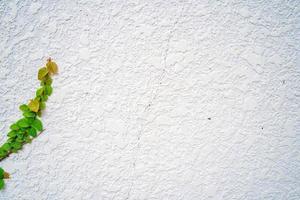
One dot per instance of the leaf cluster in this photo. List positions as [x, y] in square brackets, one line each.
[29, 126]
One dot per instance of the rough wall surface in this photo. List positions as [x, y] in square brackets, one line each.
[155, 99]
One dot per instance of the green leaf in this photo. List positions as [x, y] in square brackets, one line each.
[37, 124]
[10, 140]
[20, 136]
[34, 105]
[1, 184]
[17, 145]
[48, 90]
[14, 127]
[12, 134]
[42, 105]
[3, 153]
[30, 120]
[29, 114]
[32, 132]
[44, 98]
[37, 98]
[20, 133]
[27, 139]
[14, 150]
[42, 73]
[39, 113]
[48, 80]
[23, 123]
[1, 173]
[24, 107]
[40, 91]
[20, 140]
[6, 147]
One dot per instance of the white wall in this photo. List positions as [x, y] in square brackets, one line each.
[138, 80]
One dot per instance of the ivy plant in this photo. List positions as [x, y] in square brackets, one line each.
[29, 126]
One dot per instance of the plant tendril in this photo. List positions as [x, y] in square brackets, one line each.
[30, 126]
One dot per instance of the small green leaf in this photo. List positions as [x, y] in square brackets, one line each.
[1, 173]
[29, 114]
[20, 140]
[30, 120]
[32, 132]
[40, 91]
[12, 134]
[10, 140]
[20, 133]
[14, 150]
[39, 113]
[37, 124]
[24, 107]
[19, 137]
[37, 98]
[27, 139]
[14, 127]
[1, 184]
[3, 153]
[17, 145]
[42, 105]
[48, 90]
[48, 80]
[23, 123]
[6, 147]
[44, 98]
[42, 73]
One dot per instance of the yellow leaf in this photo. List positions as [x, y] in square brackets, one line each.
[42, 73]
[6, 175]
[34, 105]
[52, 67]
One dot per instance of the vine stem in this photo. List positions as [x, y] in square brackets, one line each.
[10, 152]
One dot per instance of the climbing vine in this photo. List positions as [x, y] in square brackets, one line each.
[29, 126]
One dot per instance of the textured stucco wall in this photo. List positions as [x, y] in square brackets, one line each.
[155, 99]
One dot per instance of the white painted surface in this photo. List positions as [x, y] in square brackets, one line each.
[138, 80]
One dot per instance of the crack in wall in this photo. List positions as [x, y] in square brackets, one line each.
[154, 96]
